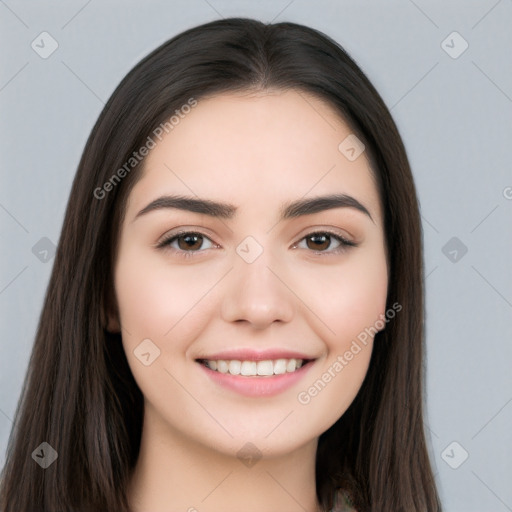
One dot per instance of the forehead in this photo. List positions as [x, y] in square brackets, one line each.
[247, 147]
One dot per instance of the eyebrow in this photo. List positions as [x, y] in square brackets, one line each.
[289, 210]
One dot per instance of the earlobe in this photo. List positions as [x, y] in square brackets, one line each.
[110, 315]
[113, 325]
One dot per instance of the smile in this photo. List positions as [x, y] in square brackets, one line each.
[255, 368]
[261, 378]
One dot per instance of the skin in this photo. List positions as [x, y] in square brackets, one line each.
[256, 151]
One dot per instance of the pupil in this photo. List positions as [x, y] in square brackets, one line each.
[316, 239]
[190, 240]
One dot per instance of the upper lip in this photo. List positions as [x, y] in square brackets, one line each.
[248, 354]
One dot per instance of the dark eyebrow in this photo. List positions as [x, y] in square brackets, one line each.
[309, 206]
[191, 204]
[289, 210]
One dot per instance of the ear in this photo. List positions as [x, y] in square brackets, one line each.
[110, 314]
[113, 324]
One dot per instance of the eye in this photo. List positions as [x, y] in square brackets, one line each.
[320, 240]
[187, 242]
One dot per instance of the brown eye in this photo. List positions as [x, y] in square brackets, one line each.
[185, 242]
[321, 241]
[192, 241]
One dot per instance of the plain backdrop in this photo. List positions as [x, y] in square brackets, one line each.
[444, 69]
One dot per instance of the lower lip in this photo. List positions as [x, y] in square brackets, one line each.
[257, 386]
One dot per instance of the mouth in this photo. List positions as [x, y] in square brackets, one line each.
[249, 368]
[255, 378]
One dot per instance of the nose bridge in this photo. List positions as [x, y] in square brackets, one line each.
[255, 293]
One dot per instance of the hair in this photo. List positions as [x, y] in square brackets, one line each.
[79, 394]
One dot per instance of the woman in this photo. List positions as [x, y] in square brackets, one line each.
[235, 314]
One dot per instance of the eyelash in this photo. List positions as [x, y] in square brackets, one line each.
[344, 243]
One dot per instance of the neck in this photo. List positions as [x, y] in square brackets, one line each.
[174, 472]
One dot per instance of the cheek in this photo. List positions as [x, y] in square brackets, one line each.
[348, 298]
[157, 300]
[166, 304]
[350, 304]
[329, 392]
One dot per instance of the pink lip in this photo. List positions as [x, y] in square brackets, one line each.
[261, 386]
[242, 354]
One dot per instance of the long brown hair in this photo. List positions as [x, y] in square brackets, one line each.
[79, 395]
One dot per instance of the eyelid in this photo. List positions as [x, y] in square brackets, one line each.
[165, 240]
[183, 230]
[332, 230]
[345, 243]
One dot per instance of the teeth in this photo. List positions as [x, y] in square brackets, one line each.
[253, 368]
[280, 366]
[248, 368]
[265, 368]
[291, 365]
[235, 367]
[222, 366]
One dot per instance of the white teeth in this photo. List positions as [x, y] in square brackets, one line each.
[222, 366]
[291, 365]
[265, 368]
[280, 366]
[248, 368]
[234, 367]
[253, 368]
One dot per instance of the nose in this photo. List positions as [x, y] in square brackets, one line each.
[257, 293]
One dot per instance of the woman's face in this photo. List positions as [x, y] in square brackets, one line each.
[251, 288]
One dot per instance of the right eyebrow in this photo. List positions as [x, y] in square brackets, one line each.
[191, 204]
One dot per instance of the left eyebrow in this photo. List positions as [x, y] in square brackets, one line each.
[321, 203]
[289, 210]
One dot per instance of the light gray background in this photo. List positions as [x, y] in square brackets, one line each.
[455, 118]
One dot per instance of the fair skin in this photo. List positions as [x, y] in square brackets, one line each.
[256, 151]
